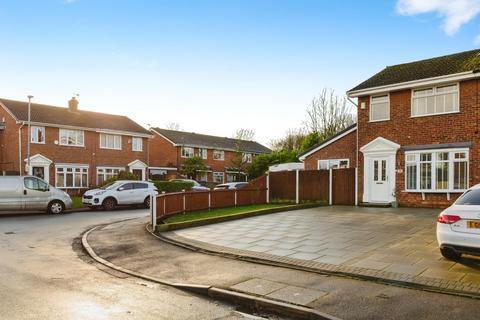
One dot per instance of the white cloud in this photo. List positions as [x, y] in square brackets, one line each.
[454, 12]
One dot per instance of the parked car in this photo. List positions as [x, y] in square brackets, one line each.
[119, 193]
[230, 185]
[196, 186]
[31, 194]
[458, 226]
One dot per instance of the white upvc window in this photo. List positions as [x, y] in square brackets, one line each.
[37, 134]
[247, 157]
[203, 153]
[218, 177]
[380, 108]
[110, 141]
[436, 170]
[105, 173]
[333, 164]
[137, 144]
[218, 155]
[188, 152]
[71, 176]
[435, 100]
[73, 138]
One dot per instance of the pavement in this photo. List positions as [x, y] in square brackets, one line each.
[394, 244]
[44, 274]
[129, 245]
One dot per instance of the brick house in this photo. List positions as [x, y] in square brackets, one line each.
[71, 148]
[170, 148]
[418, 132]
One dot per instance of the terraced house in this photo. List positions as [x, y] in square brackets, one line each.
[170, 148]
[71, 148]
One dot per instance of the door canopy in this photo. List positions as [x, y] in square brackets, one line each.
[380, 145]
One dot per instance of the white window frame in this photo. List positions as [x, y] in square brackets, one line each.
[137, 144]
[115, 145]
[247, 157]
[68, 133]
[434, 95]
[190, 154]
[331, 162]
[451, 161]
[35, 129]
[370, 107]
[73, 167]
[219, 152]
[203, 153]
[222, 174]
[105, 174]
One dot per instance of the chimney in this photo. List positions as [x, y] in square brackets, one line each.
[73, 104]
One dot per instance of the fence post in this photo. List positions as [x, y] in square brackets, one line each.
[164, 202]
[356, 186]
[297, 186]
[184, 207]
[330, 186]
[209, 200]
[268, 188]
[153, 210]
[235, 198]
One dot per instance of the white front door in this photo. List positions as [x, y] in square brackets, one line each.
[379, 185]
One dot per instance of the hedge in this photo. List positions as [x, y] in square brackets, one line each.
[172, 186]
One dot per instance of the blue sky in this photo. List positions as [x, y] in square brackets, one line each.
[216, 66]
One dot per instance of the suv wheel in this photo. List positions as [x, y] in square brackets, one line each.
[450, 254]
[56, 207]
[146, 202]
[109, 204]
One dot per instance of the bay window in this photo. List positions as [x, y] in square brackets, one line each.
[435, 100]
[439, 170]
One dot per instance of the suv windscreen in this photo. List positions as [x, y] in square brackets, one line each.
[470, 198]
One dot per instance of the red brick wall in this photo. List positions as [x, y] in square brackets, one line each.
[9, 143]
[343, 148]
[405, 130]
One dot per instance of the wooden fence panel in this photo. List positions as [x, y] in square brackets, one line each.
[343, 188]
[251, 196]
[196, 200]
[222, 198]
[314, 185]
[282, 185]
[173, 203]
[258, 183]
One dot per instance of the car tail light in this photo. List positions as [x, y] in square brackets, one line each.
[447, 218]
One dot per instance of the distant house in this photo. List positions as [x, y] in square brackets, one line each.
[170, 148]
[71, 148]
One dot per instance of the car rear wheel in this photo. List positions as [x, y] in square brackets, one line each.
[146, 202]
[56, 207]
[109, 204]
[450, 254]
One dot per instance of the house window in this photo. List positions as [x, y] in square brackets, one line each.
[218, 155]
[105, 173]
[137, 144]
[333, 164]
[442, 170]
[435, 100]
[71, 177]
[380, 108]
[110, 141]
[37, 134]
[218, 177]
[187, 152]
[203, 176]
[71, 138]
[203, 153]
[247, 157]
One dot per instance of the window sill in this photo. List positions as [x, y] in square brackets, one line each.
[33, 142]
[103, 148]
[434, 114]
[69, 145]
[381, 120]
[434, 191]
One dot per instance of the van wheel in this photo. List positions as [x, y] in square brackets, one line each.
[109, 204]
[450, 254]
[146, 202]
[56, 207]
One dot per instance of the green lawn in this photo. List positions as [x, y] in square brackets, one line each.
[199, 215]
[77, 202]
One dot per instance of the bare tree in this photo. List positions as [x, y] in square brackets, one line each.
[244, 134]
[173, 126]
[328, 114]
[291, 142]
[240, 160]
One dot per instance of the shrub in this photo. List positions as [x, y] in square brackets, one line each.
[122, 175]
[172, 186]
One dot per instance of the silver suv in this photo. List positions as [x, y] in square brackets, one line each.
[29, 193]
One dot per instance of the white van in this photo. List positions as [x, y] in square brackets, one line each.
[29, 193]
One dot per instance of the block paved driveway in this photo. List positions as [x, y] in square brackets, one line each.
[387, 240]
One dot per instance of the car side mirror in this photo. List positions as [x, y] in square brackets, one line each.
[121, 189]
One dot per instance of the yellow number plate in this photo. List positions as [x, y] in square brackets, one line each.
[473, 224]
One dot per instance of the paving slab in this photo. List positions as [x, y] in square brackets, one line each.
[297, 295]
[258, 286]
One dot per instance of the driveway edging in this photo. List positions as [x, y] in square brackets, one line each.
[251, 301]
[384, 277]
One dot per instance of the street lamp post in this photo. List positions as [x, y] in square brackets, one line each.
[29, 133]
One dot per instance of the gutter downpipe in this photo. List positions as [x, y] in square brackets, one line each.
[20, 148]
[356, 154]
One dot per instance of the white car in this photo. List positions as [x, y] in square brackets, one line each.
[458, 226]
[121, 192]
[196, 186]
[230, 185]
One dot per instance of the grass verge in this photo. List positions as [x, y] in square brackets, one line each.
[77, 202]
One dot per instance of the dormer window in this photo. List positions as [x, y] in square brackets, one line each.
[380, 108]
[435, 100]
